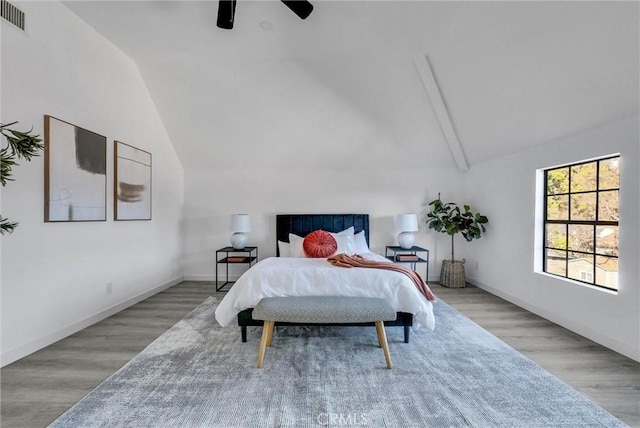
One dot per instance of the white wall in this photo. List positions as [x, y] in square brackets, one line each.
[55, 275]
[505, 188]
[212, 196]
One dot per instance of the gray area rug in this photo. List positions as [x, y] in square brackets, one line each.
[198, 374]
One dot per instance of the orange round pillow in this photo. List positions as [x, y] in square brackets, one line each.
[319, 244]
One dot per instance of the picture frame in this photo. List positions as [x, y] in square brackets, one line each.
[75, 173]
[132, 182]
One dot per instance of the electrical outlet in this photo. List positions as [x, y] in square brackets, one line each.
[109, 287]
[477, 265]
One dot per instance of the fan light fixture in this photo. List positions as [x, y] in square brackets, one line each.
[227, 11]
[302, 8]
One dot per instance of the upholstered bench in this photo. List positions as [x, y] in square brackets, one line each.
[323, 310]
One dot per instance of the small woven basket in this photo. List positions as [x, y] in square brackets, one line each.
[452, 274]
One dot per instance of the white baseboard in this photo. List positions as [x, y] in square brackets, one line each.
[208, 278]
[604, 340]
[197, 277]
[15, 354]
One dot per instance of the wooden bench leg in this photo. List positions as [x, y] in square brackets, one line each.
[271, 333]
[382, 338]
[267, 331]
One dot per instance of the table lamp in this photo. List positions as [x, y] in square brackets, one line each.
[406, 224]
[240, 224]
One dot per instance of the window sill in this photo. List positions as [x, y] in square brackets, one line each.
[581, 284]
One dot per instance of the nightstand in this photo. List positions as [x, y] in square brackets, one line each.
[412, 256]
[230, 256]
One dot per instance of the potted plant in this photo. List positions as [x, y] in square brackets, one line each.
[450, 219]
[19, 145]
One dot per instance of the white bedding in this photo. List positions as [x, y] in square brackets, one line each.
[283, 276]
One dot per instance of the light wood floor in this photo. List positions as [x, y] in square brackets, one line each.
[40, 387]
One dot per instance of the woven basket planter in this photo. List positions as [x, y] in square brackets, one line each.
[452, 274]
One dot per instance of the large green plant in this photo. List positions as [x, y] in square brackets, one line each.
[20, 145]
[450, 219]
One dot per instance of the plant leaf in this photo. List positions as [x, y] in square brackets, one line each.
[7, 226]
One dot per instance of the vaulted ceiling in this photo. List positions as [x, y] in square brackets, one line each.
[341, 88]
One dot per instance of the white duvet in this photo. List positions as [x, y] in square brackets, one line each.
[283, 276]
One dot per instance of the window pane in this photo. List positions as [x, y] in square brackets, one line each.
[583, 177]
[581, 225]
[607, 272]
[586, 276]
[558, 207]
[581, 238]
[580, 266]
[608, 207]
[558, 181]
[583, 206]
[556, 236]
[610, 173]
[607, 240]
[556, 262]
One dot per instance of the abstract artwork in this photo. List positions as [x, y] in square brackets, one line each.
[132, 183]
[75, 173]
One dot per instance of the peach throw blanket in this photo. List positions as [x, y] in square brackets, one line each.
[343, 260]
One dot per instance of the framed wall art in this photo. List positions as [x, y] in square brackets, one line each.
[132, 183]
[75, 173]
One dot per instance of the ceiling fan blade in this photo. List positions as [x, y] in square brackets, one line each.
[302, 8]
[226, 12]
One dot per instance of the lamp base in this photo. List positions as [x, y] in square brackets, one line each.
[239, 240]
[406, 240]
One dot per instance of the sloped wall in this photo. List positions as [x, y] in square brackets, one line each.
[503, 261]
[56, 276]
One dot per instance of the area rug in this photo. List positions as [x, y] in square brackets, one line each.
[198, 374]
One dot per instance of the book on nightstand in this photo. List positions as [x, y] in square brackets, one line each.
[407, 257]
[233, 259]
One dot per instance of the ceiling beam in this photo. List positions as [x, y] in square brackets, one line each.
[440, 108]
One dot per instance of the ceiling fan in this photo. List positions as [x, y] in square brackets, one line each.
[227, 10]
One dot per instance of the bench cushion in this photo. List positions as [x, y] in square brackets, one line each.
[324, 309]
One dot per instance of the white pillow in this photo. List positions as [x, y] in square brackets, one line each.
[345, 243]
[348, 231]
[360, 243]
[295, 246]
[284, 248]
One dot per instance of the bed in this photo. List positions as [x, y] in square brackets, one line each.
[262, 279]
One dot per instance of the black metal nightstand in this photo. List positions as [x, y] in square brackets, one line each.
[230, 256]
[411, 256]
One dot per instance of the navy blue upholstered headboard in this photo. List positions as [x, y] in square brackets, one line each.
[303, 224]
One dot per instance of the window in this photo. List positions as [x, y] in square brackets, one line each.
[581, 211]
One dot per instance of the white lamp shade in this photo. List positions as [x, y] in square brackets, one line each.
[240, 223]
[407, 222]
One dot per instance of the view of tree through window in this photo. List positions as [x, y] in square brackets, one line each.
[581, 222]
